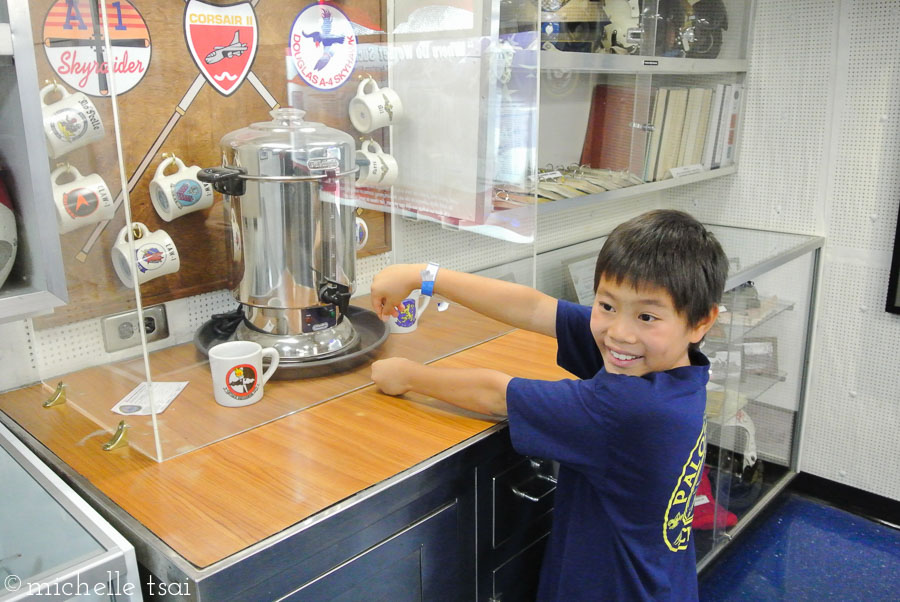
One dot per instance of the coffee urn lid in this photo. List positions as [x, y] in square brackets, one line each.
[289, 132]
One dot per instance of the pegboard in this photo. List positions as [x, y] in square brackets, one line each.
[75, 346]
[785, 125]
[821, 134]
[865, 183]
[852, 410]
[18, 355]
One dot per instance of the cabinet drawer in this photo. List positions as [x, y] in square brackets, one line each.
[521, 495]
[421, 562]
[517, 578]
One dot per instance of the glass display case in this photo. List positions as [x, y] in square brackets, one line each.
[52, 544]
[638, 96]
[206, 173]
[758, 354]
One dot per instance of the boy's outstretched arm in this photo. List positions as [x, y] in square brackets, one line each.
[480, 390]
[515, 304]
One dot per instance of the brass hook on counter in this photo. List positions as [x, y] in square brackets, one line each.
[58, 398]
[118, 439]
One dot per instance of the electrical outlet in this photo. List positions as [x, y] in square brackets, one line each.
[120, 331]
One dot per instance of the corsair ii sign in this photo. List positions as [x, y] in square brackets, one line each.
[222, 40]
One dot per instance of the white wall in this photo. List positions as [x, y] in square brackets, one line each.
[820, 154]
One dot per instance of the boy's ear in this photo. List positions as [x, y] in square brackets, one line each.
[699, 330]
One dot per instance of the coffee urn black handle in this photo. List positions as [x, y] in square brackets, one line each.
[226, 180]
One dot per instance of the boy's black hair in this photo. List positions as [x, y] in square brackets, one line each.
[672, 250]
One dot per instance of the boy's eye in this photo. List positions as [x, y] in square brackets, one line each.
[605, 306]
[646, 318]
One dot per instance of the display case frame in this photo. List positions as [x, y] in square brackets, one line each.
[37, 283]
[134, 339]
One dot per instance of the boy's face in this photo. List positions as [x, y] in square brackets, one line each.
[638, 331]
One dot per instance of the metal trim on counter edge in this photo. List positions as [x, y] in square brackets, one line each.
[113, 556]
[164, 562]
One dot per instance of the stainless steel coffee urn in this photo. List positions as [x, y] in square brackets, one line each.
[288, 186]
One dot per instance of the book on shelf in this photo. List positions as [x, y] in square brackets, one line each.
[730, 107]
[712, 129]
[607, 142]
[651, 155]
[729, 125]
[696, 119]
[672, 128]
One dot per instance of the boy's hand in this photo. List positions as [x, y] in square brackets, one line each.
[391, 375]
[391, 286]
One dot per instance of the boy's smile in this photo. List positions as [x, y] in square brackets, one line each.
[639, 331]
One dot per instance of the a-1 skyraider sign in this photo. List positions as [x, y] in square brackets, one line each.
[74, 40]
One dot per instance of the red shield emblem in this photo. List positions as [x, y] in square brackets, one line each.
[222, 40]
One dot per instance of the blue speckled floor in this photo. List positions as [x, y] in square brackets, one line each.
[807, 551]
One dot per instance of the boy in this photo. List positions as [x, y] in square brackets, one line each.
[629, 436]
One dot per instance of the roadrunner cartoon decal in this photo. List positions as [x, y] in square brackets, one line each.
[240, 382]
[680, 512]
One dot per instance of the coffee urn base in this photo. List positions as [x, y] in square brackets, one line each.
[371, 330]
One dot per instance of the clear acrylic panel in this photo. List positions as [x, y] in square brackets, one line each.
[440, 168]
[758, 355]
[662, 28]
[87, 56]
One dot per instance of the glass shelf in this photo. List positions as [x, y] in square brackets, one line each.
[516, 224]
[752, 253]
[612, 63]
[747, 322]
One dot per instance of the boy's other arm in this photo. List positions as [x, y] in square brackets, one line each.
[480, 390]
[515, 304]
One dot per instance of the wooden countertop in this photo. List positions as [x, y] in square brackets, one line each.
[215, 501]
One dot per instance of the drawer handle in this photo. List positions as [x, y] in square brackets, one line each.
[546, 477]
[523, 495]
[537, 465]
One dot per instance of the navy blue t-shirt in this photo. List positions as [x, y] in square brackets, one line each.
[630, 451]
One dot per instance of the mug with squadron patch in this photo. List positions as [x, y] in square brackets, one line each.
[69, 123]
[80, 200]
[377, 169]
[155, 254]
[179, 192]
[373, 107]
[237, 372]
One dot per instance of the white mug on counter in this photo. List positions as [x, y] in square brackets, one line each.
[410, 309]
[71, 122]
[80, 201]
[180, 192]
[378, 169]
[155, 254]
[237, 372]
[375, 108]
